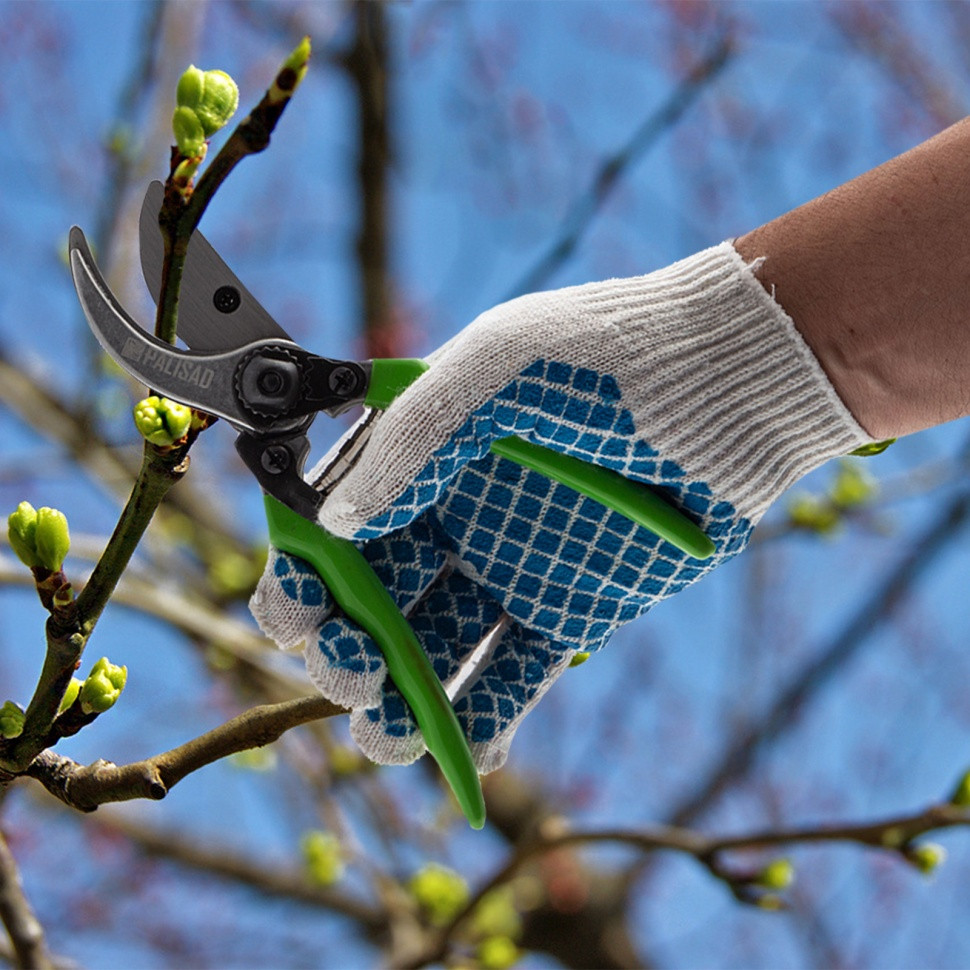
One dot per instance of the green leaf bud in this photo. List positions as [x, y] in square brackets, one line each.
[813, 514]
[346, 761]
[778, 874]
[961, 794]
[323, 857]
[11, 720]
[102, 687]
[770, 902]
[22, 531]
[875, 448]
[496, 914]
[926, 856]
[579, 658]
[211, 95]
[291, 73]
[893, 837]
[189, 133]
[299, 56]
[70, 695]
[497, 953]
[52, 538]
[188, 90]
[853, 486]
[161, 421]
[254, 759]
[439, 891]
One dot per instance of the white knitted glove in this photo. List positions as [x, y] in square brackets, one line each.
[692, 379]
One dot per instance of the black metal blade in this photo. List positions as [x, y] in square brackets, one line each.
[216, 312]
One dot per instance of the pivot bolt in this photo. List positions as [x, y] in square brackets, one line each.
[270, 382]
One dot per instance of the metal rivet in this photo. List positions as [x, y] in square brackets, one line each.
[275, 459]
[226, 299]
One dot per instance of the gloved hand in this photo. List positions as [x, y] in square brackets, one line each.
[692, 379]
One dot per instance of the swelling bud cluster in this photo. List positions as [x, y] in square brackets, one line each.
[102, 687]
[39, 537]
[11, 720]
[206, 101]
[161, 421]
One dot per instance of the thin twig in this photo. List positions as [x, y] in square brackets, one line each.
[871, 614]
[611, 169]
[182, 211]
[892, 834]
[85, 787]
[22, 926]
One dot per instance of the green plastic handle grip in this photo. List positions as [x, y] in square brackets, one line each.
[637, 502]
[632, 499]
[363, 598]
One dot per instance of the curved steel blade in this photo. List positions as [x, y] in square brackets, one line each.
[200, 379]
[216, 312]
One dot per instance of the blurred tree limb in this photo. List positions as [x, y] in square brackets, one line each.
[22, 926]
[613, 167]
[896, 834]
[367, 63]
[739, 756]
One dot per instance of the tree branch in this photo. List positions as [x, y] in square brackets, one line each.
[22, 926]
[68, 630]
[85, 787]
[872, 613]
[612, 168]
[893, 834]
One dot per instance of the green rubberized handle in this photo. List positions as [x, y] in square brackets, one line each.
[634, 500]
[388, 377]
[637, 502]
[361, 595]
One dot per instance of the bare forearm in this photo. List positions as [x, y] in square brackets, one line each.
[876, 275]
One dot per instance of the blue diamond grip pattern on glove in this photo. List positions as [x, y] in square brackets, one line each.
[567, 570]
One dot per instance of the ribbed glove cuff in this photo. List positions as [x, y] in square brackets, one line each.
[736, 396]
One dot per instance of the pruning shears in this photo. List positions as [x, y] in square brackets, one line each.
[242, 366]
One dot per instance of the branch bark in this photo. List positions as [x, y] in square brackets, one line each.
[85, 787]
[368, 65]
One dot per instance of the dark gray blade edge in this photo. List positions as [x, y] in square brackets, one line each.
[203, 380]
[200, 324]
